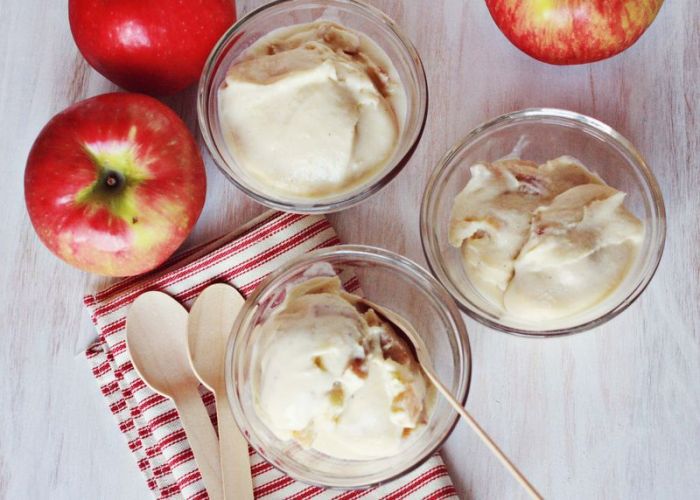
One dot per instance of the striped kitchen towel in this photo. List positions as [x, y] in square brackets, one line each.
[150, 422]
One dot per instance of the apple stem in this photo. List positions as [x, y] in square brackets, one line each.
[113, 180]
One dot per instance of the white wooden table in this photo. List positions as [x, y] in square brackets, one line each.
[612, 413]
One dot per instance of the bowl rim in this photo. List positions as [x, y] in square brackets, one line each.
[428, 203]
[300, 206]
[375, 254]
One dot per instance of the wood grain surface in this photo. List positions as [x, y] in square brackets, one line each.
[612, 413]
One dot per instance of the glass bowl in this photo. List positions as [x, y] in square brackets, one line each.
[541, 134]
[390, 281]
[352, 14]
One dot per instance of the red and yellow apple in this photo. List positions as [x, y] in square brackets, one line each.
[153, 46]
[114, 184]
[573, 31]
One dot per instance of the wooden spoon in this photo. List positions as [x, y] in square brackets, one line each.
[156, 338]
[421, 351]
[210, 323]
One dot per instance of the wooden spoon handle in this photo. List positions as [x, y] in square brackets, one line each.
[233, 447]
[202, 439]
[482, 434]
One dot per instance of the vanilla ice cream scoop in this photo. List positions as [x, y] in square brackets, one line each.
[581, 247]
[312, 110]
[491, 217]
[543, 242]
[330, 376]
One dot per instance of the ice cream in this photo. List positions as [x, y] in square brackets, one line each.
[332, 375]
[312, 111]
[543, 242]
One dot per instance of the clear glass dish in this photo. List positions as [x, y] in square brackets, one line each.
[541, 134]
[277, 14]
[388, 280]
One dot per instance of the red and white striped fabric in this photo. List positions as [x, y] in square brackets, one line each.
[150, 422]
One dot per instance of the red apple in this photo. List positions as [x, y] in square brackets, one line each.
[573, 31]
[153, 46]
[114, 184]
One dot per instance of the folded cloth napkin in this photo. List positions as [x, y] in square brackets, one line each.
[150, 422]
